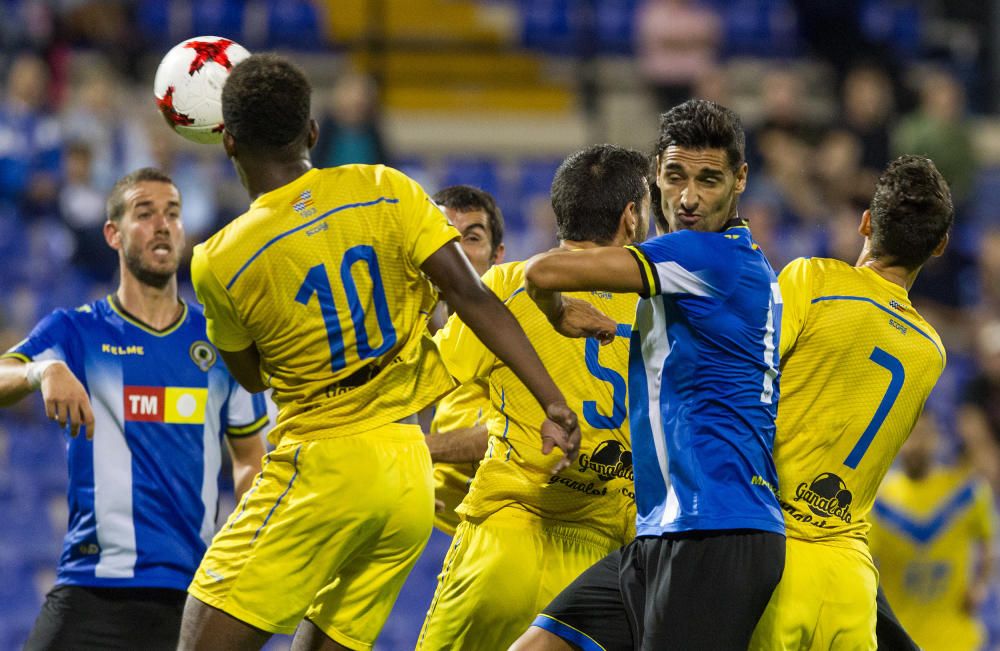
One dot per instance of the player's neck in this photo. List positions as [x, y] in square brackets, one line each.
[156, 307]
[893, 273]
[263, 176]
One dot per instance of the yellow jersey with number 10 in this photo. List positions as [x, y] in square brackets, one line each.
[323, 276]
[857, 365]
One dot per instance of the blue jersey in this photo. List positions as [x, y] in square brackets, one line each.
[703, 384]
[143, 494]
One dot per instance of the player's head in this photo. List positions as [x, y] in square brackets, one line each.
[144, 226]
[600, 194]
[910, 214]
[700, 166]
[477, 217]
[917, 454]
[266, 110]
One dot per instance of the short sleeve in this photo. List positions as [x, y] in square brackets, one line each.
[795, 282]
[464, 355]
[684, 262]
[46, 341]
[246, 413]
[425, 227]
[224, 327]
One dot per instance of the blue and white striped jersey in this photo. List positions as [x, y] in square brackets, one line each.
[703, 384]
[143, 494]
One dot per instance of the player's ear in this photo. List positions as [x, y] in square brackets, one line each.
[112, 235]
[942, 245]
[628, 223]
[741, 178]
[498, 254]
[228, 143]
[865, 227]
[313, 133]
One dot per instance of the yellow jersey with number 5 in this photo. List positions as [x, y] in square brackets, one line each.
[857, 365]
[596, 491]
[323, 276]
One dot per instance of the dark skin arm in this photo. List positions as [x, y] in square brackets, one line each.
[466, 445]
[497, 328]
[245, 367]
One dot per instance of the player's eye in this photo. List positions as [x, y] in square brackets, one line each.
[674, 178]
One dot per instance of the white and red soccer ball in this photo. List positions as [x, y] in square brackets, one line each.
[188, 85]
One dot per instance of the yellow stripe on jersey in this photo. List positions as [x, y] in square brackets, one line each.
[595, 492]
[650, 279]
[857, 365]
[247, 430]
[323, 276]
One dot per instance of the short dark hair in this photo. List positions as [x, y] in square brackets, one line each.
[265, 102]
[701, 124]
[592, 187]
[115, 206]
[466, 198]
[911, 211]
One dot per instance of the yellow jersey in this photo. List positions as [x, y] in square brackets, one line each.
[466, 406]
[923, 539]
[323, 276]
[857, 365]
[596, 492]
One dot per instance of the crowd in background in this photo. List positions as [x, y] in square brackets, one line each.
[831, 102]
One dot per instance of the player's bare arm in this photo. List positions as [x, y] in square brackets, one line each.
[464, 445]
[497, 328]
[606, 268]
[65, 398]
[245, 367]
[246, 453]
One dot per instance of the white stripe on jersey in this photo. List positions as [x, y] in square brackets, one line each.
[211, 452]
[651, 322]
[112, 474]
[675, 279]
[770, 351]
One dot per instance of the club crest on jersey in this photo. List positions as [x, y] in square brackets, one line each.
[827, 496]
[178, 405]
[304, 204]
[203, 355]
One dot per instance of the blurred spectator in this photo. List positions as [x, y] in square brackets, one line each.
[979, 412]
[29, 138]
[676, 43]
[99, 114]
[195, 171]
[932, 529]
[989, 274]
[838, 160]
[349, 131]
[81, 206]
[939, 130]
[867, 109]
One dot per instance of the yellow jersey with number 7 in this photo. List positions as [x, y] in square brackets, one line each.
[857, 365]
[323, 276]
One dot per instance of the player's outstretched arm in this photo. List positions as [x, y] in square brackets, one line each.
[65, 398]
[496, 327]
[548, 274]
[465, 445]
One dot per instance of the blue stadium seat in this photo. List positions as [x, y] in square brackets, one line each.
[218, 18]
[483, 173]
[294, 24]
[615, 32]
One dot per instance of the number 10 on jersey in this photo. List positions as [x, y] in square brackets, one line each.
[317, 282]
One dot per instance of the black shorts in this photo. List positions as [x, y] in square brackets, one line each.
[890, 634]
[77, 617]
[704, 590]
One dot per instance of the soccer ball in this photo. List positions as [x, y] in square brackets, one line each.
[188, 85]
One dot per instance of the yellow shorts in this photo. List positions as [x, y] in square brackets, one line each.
[329, 531]
[500, 573]
[825, 600]
[451, 485]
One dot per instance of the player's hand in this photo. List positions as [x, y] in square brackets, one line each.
[975, 596]
[579, 318]
[66, 400]
[561, 430]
